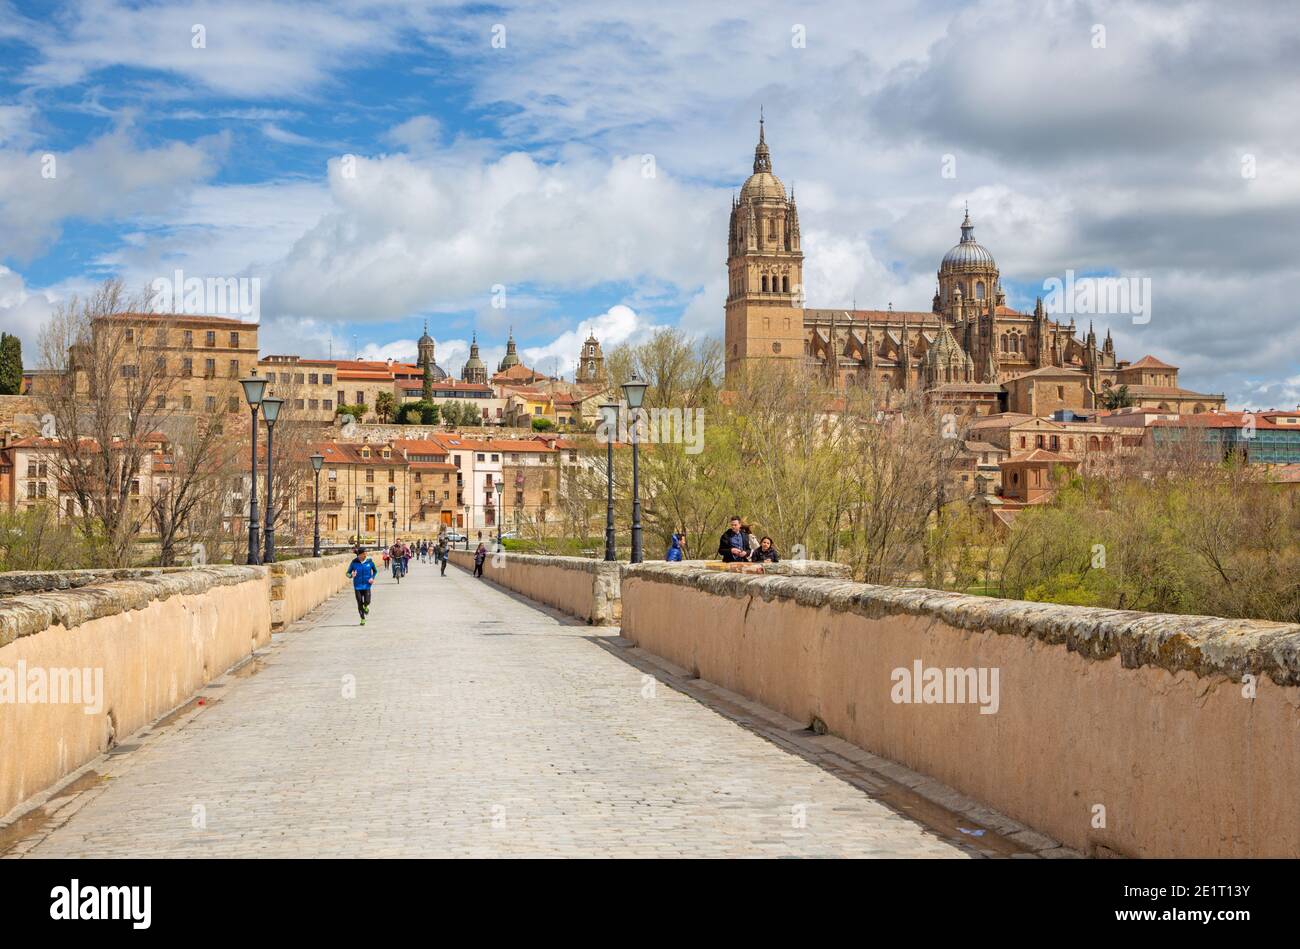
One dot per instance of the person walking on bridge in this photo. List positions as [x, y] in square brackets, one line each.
[479, 556]
[362, 570]
[440, 554]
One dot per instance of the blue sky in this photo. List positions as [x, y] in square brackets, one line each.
[378, 163]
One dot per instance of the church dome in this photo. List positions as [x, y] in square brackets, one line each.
[762, 183]
[968, 253]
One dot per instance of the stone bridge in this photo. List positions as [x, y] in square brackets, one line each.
[571, 707]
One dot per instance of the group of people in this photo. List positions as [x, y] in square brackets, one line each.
[363, 571]
[737, 545]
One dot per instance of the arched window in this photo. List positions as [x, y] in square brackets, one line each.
[1094, 443]
[785, 284]
[771, 227]
[765, 283]
[1107, 444]
[979, 290]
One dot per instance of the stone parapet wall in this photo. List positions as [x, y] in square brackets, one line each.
[1114, 732]
[587, 589]
[590, 589]
[129, 649]
[299, 586]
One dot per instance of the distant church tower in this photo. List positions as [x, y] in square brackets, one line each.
[764, 310]
[511, 358]
[474, 369]
[429, 370]
[591, 365]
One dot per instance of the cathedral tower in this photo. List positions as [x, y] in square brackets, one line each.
[764, 310]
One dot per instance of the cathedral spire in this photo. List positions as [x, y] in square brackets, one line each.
[762, 157]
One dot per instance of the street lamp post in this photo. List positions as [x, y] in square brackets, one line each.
[609, 416]
[467, 514]
[501, 487]
[316, 461]
[271, 412]
[254, 387]
[358, 520]
[634, 393]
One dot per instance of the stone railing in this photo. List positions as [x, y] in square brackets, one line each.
[590, 589]
[1117, 733]
[84, 665]
[587, 589]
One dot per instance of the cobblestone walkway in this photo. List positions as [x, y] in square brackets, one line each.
[461, 721]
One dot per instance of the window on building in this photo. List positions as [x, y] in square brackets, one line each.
[327, 404]
[297, 378]
[233, 404]
[188, 338]
[327, 378]
[312, 403]
[160, 402]
[298, 403]
[234, 368]
[209, 368]
[234, 340]
[211, 337]
[312, 378]
[187, 403]
[361, 398]
[370, 474]
[187, 367]
[210, 403]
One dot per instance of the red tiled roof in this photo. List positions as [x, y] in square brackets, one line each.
[1149, 362]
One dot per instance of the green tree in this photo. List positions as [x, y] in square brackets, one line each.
[385, 406]
[11, 364]
[1116, 398]
[542, 425]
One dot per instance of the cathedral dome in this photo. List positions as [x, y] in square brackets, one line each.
[968, 253]
[762, 183]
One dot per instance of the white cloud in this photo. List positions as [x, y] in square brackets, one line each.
[23, 311]
[108, 178]
[406, 236]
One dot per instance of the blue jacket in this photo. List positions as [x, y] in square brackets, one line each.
[674, 551]
[362, 574]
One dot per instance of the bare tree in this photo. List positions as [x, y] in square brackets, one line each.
[109, 397]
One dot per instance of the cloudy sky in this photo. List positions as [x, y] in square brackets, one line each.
[554, 167]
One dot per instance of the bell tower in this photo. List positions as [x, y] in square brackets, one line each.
[764, 309]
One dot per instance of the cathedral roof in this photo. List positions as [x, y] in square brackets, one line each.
[968, 252]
